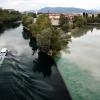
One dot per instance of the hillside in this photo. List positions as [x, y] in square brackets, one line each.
[64, 10]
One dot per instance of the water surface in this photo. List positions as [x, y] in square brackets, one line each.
[80, 67]
[24, 76]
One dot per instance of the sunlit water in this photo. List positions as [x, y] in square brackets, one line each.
[80, 67]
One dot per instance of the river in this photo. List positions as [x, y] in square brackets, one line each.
[80, 64]
[24, 76]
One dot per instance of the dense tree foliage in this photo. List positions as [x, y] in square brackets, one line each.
[26, 20]
[63, 20]
[64, 23]
[42, 22]
[92, 18]
[32, 14]
[79, 21]
[47, 37]
[97, 18]
[9, 15]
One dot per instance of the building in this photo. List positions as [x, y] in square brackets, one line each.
[56, 16]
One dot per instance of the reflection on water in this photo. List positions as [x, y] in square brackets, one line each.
[13, 40]
[33, 44]
[43, 64]
[32, 40]
[9, 25]
[82, 31]
[80, 68]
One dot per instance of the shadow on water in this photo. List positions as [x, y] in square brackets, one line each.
[43, 62]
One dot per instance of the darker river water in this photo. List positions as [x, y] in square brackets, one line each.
[24, 76]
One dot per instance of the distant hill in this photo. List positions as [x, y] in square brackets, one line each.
[64, 10]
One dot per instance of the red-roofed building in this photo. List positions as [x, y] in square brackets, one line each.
[56, 16]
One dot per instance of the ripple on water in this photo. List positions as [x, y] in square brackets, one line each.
[19, 82]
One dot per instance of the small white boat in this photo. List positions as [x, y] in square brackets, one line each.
[3, 53]
[4, 50]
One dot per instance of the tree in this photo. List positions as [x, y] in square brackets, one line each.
[65, 27]
[7, 16]
[84, 14]
[64, 23]
[43, 22]
[63, 20]
[27, 20]
[93, 18]
[47, 37]
[97, 18]
[80, 21]
[98, 15]
[32, 14]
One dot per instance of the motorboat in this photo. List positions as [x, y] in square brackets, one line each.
[3, 53]
[4, 50]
